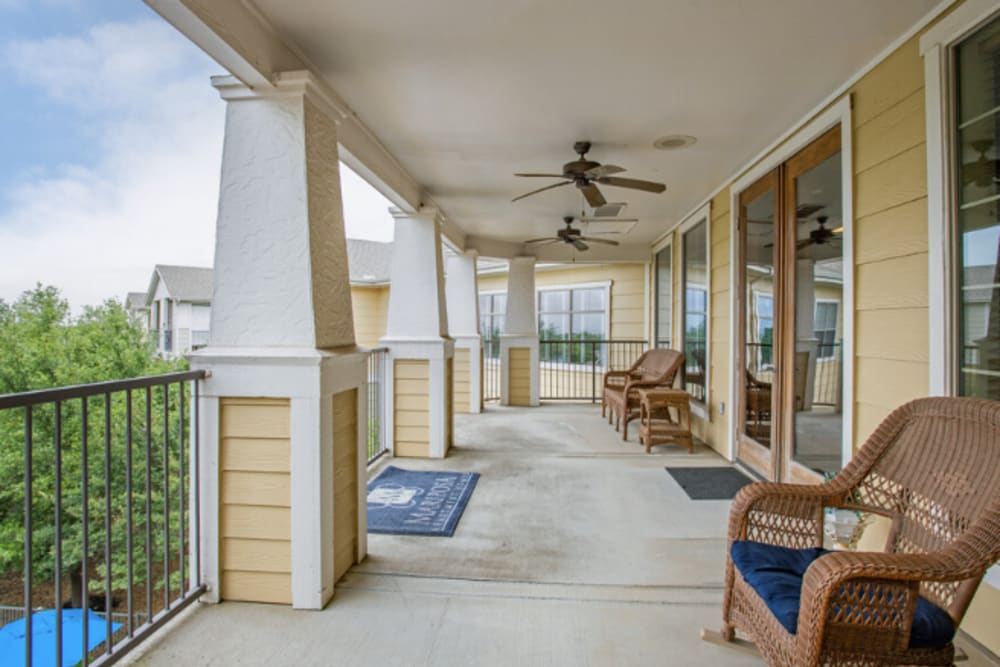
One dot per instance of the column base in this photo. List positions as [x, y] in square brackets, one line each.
[419, 396]
[519, 370]
[282, 452]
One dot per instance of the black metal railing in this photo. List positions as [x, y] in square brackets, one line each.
[378, 360]
[111, 503]
[574, 369]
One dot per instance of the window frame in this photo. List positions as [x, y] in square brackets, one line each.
[605, 286]
[490, 314]
[668, 248]
[937, 46]
[699, 216]
[836, 315]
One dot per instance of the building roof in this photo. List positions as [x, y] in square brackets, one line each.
[183, 283]
[369, 262]
[135, 301]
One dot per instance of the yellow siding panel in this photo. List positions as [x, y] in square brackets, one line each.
[256, 522]
[894, 79]
[411, 430]
[461, 378]
[899, 334]
[895, 232]
[256, 454]
[890, 383]
[405, 448]
[251, 555]
[520, 376]
[412, 369]
[891, 183]
[370, 306]
[901, 127]
[255, 418]
[895, 283]
[411, 418]
[345, 486]
[720, 204]
[411, 387]
[412, 402]
[256, 488]
[271, 587]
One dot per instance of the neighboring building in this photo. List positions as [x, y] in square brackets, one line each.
[368, 263]
[179, 303]
[135, 304]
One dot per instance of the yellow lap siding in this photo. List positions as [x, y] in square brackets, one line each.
[255, 499]
[345, 480]
[520, 376]
[411, 391]
[462, 374]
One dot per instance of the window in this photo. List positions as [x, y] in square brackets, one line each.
[664, 297]
[694, 279]
[764, 314]
[492, 309]
[825, 329]
[977, 224]
[572, 315]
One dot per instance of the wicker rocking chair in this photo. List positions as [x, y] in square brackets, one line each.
[620, 395]
[932, 467]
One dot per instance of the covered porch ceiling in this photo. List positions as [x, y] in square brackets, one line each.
[448, 99]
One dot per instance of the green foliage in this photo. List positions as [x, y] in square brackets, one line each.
[43, 346]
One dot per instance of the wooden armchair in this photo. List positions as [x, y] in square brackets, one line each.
[931, 467]
[620, 397]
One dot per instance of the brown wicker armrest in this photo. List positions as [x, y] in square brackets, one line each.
[846, 591]
[619, 378]
[788, 515]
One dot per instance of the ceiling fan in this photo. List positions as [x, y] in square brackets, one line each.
[821, 235]
[982, 171]
[570, 236]
[586, 174]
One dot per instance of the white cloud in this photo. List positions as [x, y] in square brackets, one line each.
[150, 194]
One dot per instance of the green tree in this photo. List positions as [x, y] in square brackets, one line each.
[43, 346]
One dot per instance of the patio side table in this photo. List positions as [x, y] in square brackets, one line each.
[656, 425]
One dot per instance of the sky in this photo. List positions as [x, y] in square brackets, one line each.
[110, 158]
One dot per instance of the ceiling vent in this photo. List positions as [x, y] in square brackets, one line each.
[609, 210]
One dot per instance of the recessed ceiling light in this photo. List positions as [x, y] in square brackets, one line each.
[672, 142]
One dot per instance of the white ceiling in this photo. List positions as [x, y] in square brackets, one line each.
[464, 93]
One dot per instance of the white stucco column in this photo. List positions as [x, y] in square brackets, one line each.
[519, 340]
[419, 386]
[462, 297]
[282, 412]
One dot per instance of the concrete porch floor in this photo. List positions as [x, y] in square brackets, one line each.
[575, 549]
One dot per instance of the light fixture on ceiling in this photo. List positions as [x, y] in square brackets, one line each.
[673, 142]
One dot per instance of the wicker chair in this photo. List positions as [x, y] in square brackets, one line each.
[932, 467]
[758, 407]
[620, 397]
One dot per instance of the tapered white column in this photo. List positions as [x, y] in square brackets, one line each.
[282, 461]
[419, 385]
[462, 296]
[519, 340]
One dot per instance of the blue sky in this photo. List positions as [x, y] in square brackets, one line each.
[112, 150]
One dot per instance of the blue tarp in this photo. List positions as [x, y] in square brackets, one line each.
[43, 638]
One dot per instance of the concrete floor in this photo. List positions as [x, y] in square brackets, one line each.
[575, 549]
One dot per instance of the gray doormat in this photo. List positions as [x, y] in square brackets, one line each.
[715, 483]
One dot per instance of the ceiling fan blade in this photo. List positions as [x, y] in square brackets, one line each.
[593, 240]
[535, 192]
[593, 195]
[541, 175]
[633, 183]
[799, 245]
[580, 245]
[544, 239]
[604, 170]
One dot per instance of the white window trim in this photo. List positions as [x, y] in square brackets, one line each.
[703, 214]
[667, 245]
[936, 48]
[757, 294]
[837, 112]
[836, 329]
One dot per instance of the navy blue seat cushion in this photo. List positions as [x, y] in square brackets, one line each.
[776, 573]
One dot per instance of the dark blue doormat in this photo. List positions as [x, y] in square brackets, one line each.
[411, 502]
